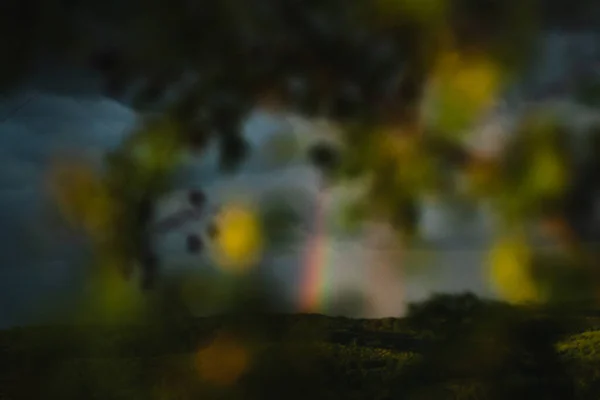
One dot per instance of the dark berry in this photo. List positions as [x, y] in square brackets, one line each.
[194, 244]
[197, 198]
[324, 156]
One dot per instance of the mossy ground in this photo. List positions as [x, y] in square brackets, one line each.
[300, 356]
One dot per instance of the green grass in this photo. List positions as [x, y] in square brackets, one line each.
[581, 347]
[307, 356]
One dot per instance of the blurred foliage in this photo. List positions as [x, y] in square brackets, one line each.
[462, 87]
[82, 197]
[408, 82]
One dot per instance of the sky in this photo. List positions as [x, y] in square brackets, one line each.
[60, 110]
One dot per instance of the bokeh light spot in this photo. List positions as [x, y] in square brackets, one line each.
[81, 197]
[223, 361]
[112, 299]
[240, 240]
[548, 175]
[510, 262]
[460, 89]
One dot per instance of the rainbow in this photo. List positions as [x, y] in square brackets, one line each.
[314, 279]
[382, 283]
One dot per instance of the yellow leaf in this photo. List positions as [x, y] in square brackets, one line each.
[510, 271]
[413, 168]
[240, 240]
[155, 149]
[547, 176]
[110, 298]
[461, 88]
[82, 196]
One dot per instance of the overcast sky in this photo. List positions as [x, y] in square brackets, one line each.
[61, 109]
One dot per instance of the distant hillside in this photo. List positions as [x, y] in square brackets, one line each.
[442, 354]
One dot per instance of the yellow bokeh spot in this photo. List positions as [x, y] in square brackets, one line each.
[239, 243]
[474, 79]
[547, 176]
[413, 168]
[223, 361]
[461, 88]
[155, 149]
[510, 271]
[82, 197]
[112, 298]
[399, 143]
